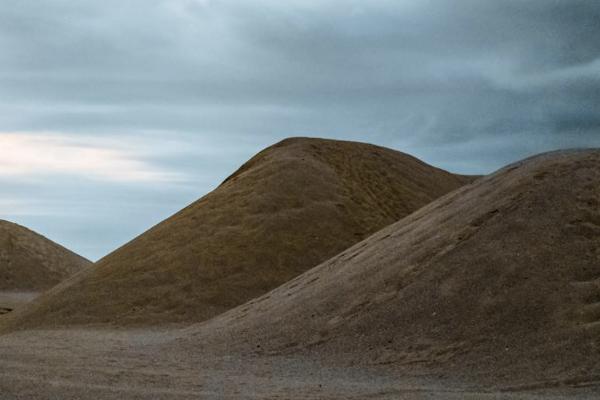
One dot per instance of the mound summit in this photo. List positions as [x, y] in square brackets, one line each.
[289, 208]
[31, 262]
[499, 279]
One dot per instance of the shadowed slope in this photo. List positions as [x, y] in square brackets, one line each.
[499, 280]
[289, 208]
[30, 262]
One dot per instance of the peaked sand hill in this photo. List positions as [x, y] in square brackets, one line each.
[498, 281]
[289, 208]
[31, 262]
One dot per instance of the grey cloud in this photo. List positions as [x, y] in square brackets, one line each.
[467, 85]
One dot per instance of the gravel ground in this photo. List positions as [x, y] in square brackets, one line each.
[103, 364]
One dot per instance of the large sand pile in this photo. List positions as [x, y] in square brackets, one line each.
[289, 208]
[31, 262]
[499, 280]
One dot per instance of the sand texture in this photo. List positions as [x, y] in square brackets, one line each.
[10, 300]
[103, 364]
[491, 291]
[496, 282]
[31, 262]
[286, 210]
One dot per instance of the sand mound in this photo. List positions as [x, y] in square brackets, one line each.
[30, 262]
[499, 279]
[289, 208]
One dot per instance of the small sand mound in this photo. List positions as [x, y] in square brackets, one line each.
[289, 208]
[31, 262]
[499, 280]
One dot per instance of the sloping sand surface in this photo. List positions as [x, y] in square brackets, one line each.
[287, 209]
[497, 282]
[489, 292]
[31, 262]
[10, 300]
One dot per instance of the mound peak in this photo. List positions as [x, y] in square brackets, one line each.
[31, 262]
[287, 209]
[499, 280]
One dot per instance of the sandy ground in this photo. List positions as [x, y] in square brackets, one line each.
[12, 300]
[102, 364]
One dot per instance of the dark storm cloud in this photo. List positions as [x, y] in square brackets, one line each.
[468, 84]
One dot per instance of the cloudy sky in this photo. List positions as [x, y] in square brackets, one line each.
[115, 114]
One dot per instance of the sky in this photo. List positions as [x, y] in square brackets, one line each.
[116, 114]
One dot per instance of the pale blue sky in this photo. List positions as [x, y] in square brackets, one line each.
[116, 114]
